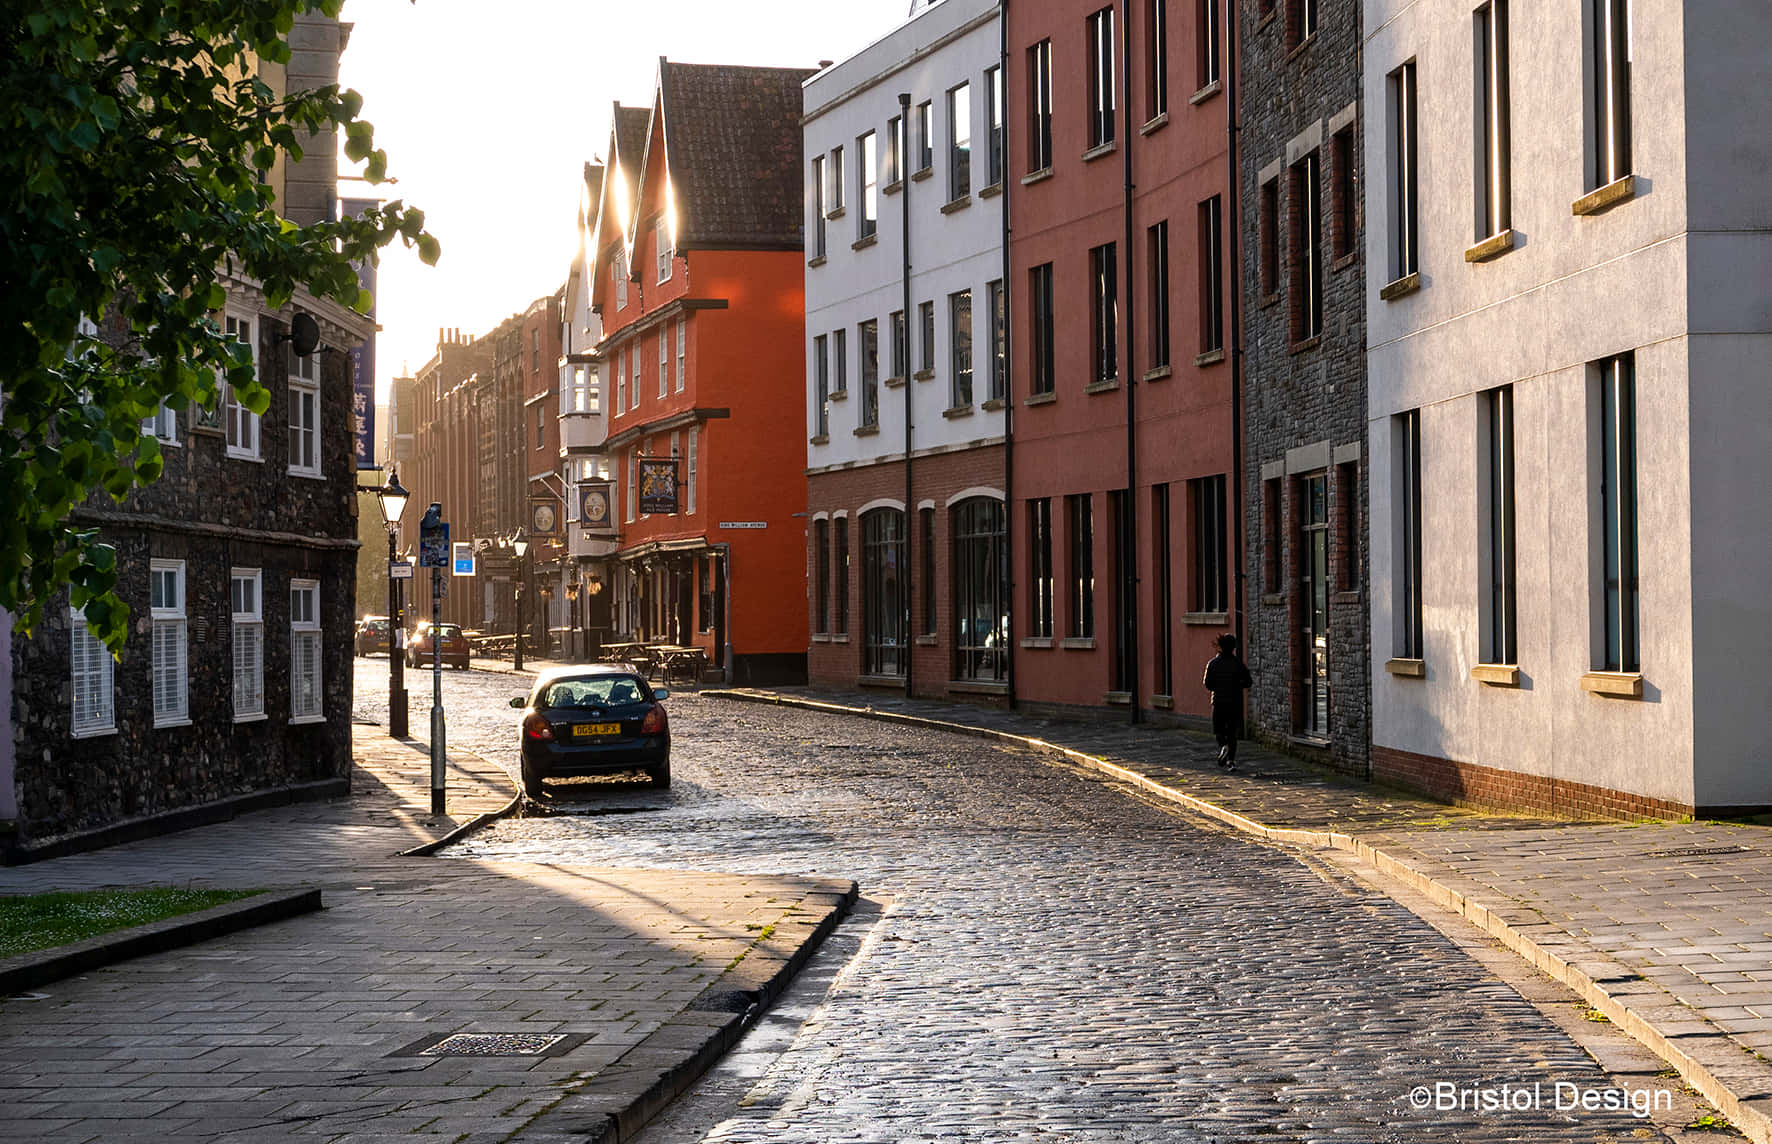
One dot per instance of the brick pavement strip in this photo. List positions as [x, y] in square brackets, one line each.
[1660, 927]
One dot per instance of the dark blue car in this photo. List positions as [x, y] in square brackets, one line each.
[596, 719]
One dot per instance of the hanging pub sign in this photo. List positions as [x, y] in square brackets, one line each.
[544, 516]
[594, 501]
[658, 486]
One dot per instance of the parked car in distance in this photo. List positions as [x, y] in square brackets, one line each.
[597, 719]
[372, 634]
[449, 640]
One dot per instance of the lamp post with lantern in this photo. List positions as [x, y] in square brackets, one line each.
[393, 504]
[522, 547]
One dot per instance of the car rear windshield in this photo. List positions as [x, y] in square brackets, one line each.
[447, 630]
[593, 691]
[376, 626]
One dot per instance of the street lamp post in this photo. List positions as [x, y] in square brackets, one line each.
[522, 547]
[393, 504]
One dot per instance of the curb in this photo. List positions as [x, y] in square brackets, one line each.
[29, 970]
[478, 822]
[619, 1101]
[1710, 1062]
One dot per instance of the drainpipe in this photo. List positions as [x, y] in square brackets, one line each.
[908, 578]
[1009, 647]
[725, 551]
[1235, 226]
[1129, 537]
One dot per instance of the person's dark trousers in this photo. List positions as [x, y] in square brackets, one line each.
[1226, 722]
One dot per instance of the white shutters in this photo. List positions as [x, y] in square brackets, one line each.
[166, 601]
[239, 423]
[95, 707]
[247, 606]
[305, 699]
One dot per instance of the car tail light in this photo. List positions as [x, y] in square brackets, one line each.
[655, 721]
[537, 728]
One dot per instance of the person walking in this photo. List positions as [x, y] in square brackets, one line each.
[1227, 678]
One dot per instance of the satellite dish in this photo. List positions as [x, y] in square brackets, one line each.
[304, 334]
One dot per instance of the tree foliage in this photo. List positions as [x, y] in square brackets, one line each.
[133, 134]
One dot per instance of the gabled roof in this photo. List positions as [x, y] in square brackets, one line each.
[627, 154]
[732, 147]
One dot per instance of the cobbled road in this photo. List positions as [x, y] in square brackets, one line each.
[1050, 957]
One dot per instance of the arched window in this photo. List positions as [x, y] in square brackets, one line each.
[981, 591]
[884, 646]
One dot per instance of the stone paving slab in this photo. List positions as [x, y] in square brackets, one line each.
[1663, 927]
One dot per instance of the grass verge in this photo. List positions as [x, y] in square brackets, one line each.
[43, 921]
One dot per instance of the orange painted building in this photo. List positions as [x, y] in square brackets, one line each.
[700, 285]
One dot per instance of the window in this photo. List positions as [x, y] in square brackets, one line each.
[1311, 710]
[1270, 238]
[993, 92]
[1122, 588]
[926, 326]
[868, 334]
[162, 425]
[960, 347]
[884, 646]
[661, 245]
[1104, 285]
[304, 422]
[868, 221]
[1156, 242]
[1307, 252]
[1211, 583]
[981, 590]
[842, 622]
[821, 562]
[664, 361]
[709, 578]
[1080, 510]
[1609, 116]
[1040, 567]
[999, 338]
[894, 172]
[1493, 191]
[1272, 537]
[1617, 504]
[1211, 275]
[925, 135]
[818, 233]
[1161, 652]
[94, 677]
[959, 142]
[621, 381]
[1400, 122]
[1040, 106]
[1301, 21]
[840, 352]
[689, 472]
[1100, 28]
[1156, 58]
[1041, 374]
[1500, 629]
[240, 424]
[634, 368]
[534, 350]
[1406, 529]
[1207, 54]
[582, 393]
[538, 426]
[633, 485]
[836, 179]
[306, 701]
[1348, 501]
[620, 269]
[900, 351]
[821, 392]
[1344, 194]
[166, 606]
[926, 518]
[247, 605]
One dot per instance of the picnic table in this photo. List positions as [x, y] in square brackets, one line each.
[672, 659]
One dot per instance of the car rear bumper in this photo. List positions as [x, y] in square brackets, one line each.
[557, 760]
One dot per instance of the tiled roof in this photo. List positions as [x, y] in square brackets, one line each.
[734, 143]
[630, 131]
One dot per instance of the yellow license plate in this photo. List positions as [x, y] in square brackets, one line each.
[581, 729]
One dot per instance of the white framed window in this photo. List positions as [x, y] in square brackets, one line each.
[94, 676]
[306, 703]
[634, 370]
[162, 424]
[304, 417]
[633, 485]
[621, 382]
[166, 606]
[619, 268]
[689, 472]
[661, 242]
[664, 361]
[682, 356]
[240, 424]
[246, 603]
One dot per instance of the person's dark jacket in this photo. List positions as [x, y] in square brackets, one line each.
[1227, 678]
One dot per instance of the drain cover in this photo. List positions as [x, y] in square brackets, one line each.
[494, 1045]
[1699, 851]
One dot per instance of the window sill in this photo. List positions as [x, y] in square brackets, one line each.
[1344, 261]
[833, 214]
[1299, 49]
[820, 439]
[258, 718]
[893, 187]
[865, 241]
[1210, 357]
[1033, 643]
[896, 681]
[208, 431]
[1039, 176]
[992, 404]
[958, 204]
[1206, 92]
[1155, 123]
[1619, 684]
[169, 724]
[233, 455]
[1402, 287]
[1269, 299]
[815, 263]
[1493, 246]
[837, 395]
[926, 640]
[1273, 599]
[92, 733]
[306, 720]
[1163, 702]
[1117, 698]
[1307, 345]
[1408, 668]
[1610, 195]
[821, 637]
[954, 411]
[1100, 150]
[306, 476]
[838, 637]
[1157, 374]
[866, 430]
[924, 375]
[1039, 399]
[1206, 619]
[1496, 674]
[976, 687]
[1352, 596]
[1105, 385]
[919, 175]
[892, 382]
[991, 191]
[1078, 643]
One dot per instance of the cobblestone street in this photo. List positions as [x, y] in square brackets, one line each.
[1049, 957]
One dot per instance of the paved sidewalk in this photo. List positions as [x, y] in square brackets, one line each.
[316, 1027]
[1665, 928]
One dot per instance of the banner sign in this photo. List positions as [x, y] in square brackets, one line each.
[594, 501]
[544, 516]
[658, 486]
[363, 356]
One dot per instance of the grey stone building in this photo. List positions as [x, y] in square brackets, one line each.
[1304, 376]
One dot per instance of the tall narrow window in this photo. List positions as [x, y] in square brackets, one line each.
[868, 220]
[1104, 287]
[1040, 567]
[1100, 28]
[1211, 587]
[247, 604]
[1406, 530]
[1270, 238]
[993, 93]
[661, 245]
[94, 681]
[633, 485]
[884, 645]
[821, 561]
[959, 142]
[868, 335]
[1156, 58]
[306, 700]
[1273, 538]
[240, 424]
[900, 351]
[1609, 118]
[821, 388]
[926, 328]
[1211, 275]
[634, 369]
[925, 135]
[1081, 570]
[1040, 349]
[1489, 46]
[1307, 249]
[836, 179]
[960, 345]
[926, 540]
[1401, 210]
[1618, 511]
[689, 472]
[1344, 194]
[682, 353]
[1123, 586]
[664, 361]
[166, 607]
[840, 360]
[304, 417]
[981, 585]
[1040, 106]
[999, 338]
[1301, 21]
[841, 571]
[1156, 244]
[1207, 53]
[894, 172]
[621, 382]
[1499, 643]
[619, 269]
[1311, 716]
[1348, 501]
[818, 208]
[1162, 645]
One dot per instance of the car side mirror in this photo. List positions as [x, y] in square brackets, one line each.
[520, 701]
[660, 693]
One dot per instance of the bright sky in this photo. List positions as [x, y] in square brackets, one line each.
[488, 112]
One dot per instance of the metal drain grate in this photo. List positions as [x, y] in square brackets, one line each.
[1700, 851]
[493, 1045]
